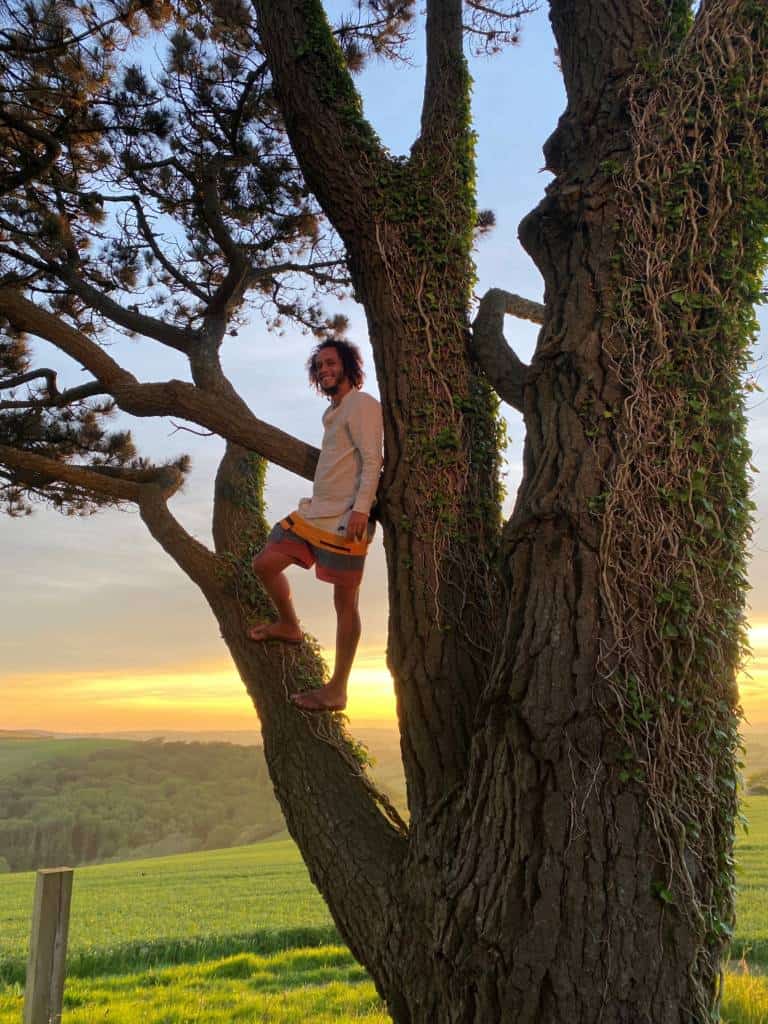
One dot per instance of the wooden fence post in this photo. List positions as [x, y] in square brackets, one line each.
[44, 991]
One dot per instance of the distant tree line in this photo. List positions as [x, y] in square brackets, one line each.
[141, 799]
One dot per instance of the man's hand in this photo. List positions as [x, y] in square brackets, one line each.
[357, 525]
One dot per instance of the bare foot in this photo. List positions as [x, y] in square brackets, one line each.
[325, 699]
[284, 631]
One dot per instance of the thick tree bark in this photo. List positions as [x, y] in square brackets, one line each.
[569, 902]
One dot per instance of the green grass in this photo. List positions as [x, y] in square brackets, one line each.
[321, 985]
[175, 909]
[751, 939]
[745, 1000]
[255, 898]
[253, 941]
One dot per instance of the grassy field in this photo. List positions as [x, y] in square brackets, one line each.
[321, 985]
[175, 909]
[751, 939]
[241, 935]
[255, 899]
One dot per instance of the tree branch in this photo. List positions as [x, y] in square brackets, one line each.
[232, 419]
[332, 808]
[35, 166]
[24, 378]
[20, 46]
[23, 257]
[258, 273]
[56, 398]
[445, 89]
[131, 320]
[148, 488]
[245, 92]
[336, 147]
[502, 367]
[194, 558]
[210, 207]
[28, 317]
[116, 484]
[149, 238]
[167, 334]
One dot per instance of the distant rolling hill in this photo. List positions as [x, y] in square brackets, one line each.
[74, 801]
[77, 800]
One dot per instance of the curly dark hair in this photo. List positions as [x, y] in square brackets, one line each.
[351, 360]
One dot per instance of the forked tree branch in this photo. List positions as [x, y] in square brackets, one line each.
[25, 378]
[336, 147]
[112, 482]
[231, 419]
[504, 369]
[55, 399]
[445, 91]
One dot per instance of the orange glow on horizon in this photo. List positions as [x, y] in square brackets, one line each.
[753, 679]
[203, 697]
[212, 697]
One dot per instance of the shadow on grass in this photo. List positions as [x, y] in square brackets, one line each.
[243, 973]
[132, 956]
[291, 969]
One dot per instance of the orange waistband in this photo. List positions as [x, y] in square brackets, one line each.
[324, 538]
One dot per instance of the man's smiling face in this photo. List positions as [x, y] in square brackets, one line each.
[330, 370]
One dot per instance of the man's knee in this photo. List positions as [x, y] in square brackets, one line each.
[345, 599]
[267, 563]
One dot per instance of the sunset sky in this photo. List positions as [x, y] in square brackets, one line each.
[101, 631]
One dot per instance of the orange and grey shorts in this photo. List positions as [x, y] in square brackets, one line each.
[336, 559]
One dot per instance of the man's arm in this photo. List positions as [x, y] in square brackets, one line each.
[367, 432]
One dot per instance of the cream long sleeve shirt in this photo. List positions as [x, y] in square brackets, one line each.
[348, 469]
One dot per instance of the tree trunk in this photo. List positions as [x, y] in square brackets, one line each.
[440, 481]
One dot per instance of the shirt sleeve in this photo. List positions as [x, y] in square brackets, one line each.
[366, 429]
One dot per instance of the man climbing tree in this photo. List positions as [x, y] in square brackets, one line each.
[332, 529]
[566, 684]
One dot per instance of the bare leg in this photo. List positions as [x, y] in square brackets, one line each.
[269, 567]
[333, 696]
